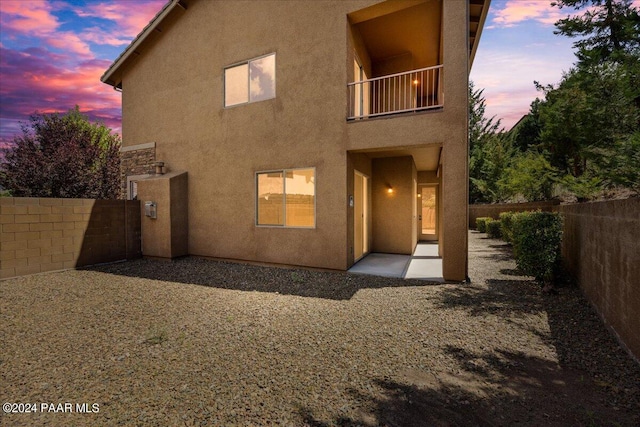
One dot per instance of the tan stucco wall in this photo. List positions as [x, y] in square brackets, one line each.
[173, 95]
[222, 149]
[165, 236]
[42, 234]
[455, 149]
[393, 216]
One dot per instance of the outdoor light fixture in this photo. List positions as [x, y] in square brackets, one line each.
[389, 189]
[415, 82]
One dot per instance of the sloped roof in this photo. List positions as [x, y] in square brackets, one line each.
[108, 75]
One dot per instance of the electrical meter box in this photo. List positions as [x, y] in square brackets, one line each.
[150, 210]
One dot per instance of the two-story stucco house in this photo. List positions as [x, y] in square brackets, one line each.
[301, 132]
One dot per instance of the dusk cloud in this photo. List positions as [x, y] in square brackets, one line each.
[131, 17]
[41, 81]
[509, 13]
[517, 11]
[33, 17]
[52, 54]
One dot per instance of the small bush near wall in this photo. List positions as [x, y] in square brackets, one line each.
[537, 237]
[481, 224]
[493, 229]
[506, 226]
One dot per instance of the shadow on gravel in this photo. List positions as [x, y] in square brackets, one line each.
[492, 388]
[584, 344]
[595, 380]
[497, 252]
[405, 405]
[503, 297]
[493, 252]
[510, 272]
[247, 277]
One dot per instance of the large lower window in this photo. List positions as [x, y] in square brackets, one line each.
[250, 81]
[286, 198]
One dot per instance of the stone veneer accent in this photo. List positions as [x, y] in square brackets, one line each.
[136, 160]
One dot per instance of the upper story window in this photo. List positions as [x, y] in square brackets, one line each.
[250, 81]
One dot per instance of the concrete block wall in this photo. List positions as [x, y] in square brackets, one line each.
[601, 249]
[494, 210]
[40, 234]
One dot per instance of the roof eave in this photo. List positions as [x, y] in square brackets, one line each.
[476, 41]
[108, 76]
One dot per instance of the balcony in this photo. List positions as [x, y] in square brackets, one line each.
[395, 48]
[410, 91]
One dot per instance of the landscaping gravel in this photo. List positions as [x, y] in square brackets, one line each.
[203, 342]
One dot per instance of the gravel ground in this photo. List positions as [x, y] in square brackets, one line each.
[200, 342]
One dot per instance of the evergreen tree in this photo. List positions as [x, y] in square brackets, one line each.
[486, 154]
[608, 29]
[525, 134]
[588, 123]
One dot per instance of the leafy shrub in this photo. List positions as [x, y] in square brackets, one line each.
[536, 244]
[583, 187]
[530, 177]
[493, 228]
[64, 156]
[481, 224]
[506, 226]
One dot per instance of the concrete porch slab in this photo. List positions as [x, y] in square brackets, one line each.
[426, 249]
[424, 264]
[387, 265]
[426, 269]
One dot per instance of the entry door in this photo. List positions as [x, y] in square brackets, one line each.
[360, 215]
[428, 215]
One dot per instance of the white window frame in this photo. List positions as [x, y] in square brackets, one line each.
[284, 198]
[248, 63]
[131, 179]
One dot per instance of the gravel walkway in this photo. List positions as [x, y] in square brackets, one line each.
[199, 342]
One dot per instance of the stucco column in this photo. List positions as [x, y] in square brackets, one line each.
[455, 153]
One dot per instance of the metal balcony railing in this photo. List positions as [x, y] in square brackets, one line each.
[414, 90]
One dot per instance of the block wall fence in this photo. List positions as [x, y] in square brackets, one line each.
[493, 210]
[601, 245]
[41, 234]
[601, 250]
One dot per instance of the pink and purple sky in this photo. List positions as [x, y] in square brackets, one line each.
[52, 54]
